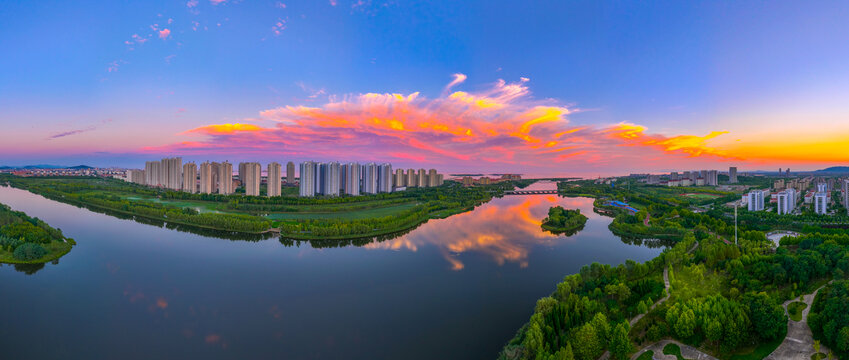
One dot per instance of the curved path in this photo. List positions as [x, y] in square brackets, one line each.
[799, 342]
[687, 351]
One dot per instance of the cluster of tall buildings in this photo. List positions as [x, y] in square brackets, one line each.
[334, 179]
[690, 178]
[210, 177]
[788, 194]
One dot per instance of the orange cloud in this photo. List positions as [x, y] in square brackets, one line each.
[224, 129]
[692, 145]
[163, 34]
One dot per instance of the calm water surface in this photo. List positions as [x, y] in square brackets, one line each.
[455, 288]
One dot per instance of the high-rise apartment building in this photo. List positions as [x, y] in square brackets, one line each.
[732, 175]
[242, 174]
[152, 173]
[350, 178]
[385, 178]
[171, 173]
[205, 173]
[422, 178]
[369, 176]
[225, 178]
[190, 177]
[820, 202]
[412, 179]
[756, 200]
[307, 178]
[252, 175]
[786, 201]
[822, 187]
[290, 173]
[845, 186]
[400, 178]
[433, 178]
[274, 178]
[328, 179]
[135, 176]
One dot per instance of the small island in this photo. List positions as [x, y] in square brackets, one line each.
[27, 240]
[560, 220]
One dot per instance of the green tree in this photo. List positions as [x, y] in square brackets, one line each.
[29, 251]
[587, 343]
[565, 353]
[620, 344]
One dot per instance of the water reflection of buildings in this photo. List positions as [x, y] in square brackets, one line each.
[504, 229]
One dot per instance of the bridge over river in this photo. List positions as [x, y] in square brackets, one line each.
[530, 192]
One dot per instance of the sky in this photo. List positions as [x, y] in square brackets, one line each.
[544, 87]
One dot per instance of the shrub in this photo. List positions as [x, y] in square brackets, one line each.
[29, 251]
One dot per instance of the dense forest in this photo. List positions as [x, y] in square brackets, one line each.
[25, 239]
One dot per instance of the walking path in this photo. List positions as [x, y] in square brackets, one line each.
[687, 351]
[799, 342]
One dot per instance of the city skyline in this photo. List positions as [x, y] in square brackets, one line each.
[304, 88]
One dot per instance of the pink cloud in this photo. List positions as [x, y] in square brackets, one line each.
[191, 3]
[499, 126]
[216, 2]
[164, 33]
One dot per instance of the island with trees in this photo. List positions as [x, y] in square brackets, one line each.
[705, 294]
[563, 221]
[27, 240]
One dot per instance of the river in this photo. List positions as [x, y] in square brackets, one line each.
[455, 288]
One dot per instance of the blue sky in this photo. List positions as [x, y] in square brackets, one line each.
[675, 68]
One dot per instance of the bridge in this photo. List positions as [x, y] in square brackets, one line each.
[530, 192]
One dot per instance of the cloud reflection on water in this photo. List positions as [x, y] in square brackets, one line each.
[504, 229]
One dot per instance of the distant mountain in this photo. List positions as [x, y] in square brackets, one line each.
[43, 166]
[27, 167]
[834, 170]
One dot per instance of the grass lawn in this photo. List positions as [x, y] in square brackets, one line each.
[795, 310]
[344, 215]
[701, 196]
[673, 349]
[200, 206]
[648, 355]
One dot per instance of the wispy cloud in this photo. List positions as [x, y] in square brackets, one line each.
[71, 132]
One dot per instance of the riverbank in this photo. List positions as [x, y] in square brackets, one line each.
[305, 219]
